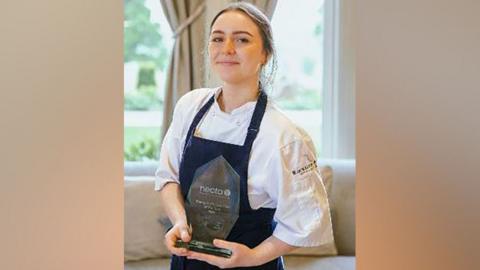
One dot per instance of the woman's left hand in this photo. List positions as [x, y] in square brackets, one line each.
[242, 256]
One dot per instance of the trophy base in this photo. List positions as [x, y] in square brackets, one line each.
[203, 247]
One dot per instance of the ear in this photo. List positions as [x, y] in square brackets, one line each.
[265, 58]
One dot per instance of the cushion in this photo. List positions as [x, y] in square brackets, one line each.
[327, 249]
[143, 231]
[342, 204]
[322, 263]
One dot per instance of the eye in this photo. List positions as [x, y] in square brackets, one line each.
[217, 39]
[243, 40]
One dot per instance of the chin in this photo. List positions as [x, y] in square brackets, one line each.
[230, 79]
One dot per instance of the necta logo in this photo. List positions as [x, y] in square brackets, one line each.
[216, 191]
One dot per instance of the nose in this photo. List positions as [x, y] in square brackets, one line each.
[228, 47]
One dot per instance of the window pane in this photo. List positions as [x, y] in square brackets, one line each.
[147, 46]
[298, 34]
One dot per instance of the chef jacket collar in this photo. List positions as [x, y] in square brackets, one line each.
[245, 108]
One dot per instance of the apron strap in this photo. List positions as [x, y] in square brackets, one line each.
[255, 121]
[196, 120]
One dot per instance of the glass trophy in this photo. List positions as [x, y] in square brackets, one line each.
[212, 206]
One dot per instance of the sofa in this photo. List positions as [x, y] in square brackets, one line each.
[144, 219]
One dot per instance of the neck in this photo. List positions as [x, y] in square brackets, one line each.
[236, 95]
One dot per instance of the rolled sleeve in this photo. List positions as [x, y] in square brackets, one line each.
[170, 152]
[169, 163]
[303, 213]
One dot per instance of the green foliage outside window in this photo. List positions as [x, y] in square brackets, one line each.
[319, 27]
[144, 150]
[142, 39]
[146, 75]
[144, 45]
[143, 99]
[141, 143]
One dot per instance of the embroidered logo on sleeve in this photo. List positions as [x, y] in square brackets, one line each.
[305, 169]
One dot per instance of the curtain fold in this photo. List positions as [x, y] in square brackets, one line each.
[185, 71]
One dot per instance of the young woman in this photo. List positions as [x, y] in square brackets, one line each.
[275, 159]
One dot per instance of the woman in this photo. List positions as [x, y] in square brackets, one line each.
[273, 157]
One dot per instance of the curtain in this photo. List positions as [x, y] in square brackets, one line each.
[185, 71]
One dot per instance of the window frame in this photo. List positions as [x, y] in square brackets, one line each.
[338, 121]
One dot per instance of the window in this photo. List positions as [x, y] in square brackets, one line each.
[147, 46]
[298, 31]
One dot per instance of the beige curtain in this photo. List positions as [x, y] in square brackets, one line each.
[185, 71]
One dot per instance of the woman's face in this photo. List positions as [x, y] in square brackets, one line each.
[235, 48]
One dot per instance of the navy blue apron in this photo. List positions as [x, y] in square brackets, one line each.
[252, 226]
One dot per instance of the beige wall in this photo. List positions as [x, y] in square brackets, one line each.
[61, 121]
[418, 149]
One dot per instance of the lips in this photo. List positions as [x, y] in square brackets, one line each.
[227, 62]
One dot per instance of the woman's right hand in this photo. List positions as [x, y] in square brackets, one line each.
[178, 231]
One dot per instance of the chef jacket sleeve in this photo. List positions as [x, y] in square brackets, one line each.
[171, 151]
[303, 214]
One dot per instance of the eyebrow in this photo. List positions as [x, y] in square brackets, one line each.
[235, 32]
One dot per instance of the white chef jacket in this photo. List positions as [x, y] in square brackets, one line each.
[282, 170]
